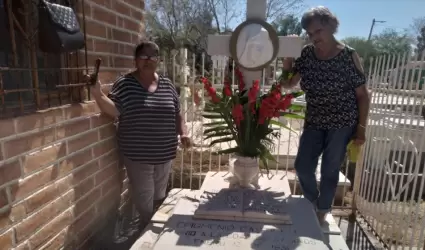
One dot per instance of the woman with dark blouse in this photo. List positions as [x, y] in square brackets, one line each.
[331, 75]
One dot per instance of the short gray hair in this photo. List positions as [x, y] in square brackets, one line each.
[321, 14]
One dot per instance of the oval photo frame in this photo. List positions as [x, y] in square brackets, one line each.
[272, 35]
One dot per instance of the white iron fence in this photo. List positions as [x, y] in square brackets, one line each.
[389, 182]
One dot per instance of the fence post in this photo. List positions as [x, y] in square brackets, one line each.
[183, 80]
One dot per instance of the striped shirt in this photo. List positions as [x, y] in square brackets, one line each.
[147, 130]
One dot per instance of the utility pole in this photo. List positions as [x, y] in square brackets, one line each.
[374, 21]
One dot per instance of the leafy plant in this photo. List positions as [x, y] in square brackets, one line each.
[245, 117]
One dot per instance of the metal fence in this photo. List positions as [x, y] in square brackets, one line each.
[30, 79]
[390, 182]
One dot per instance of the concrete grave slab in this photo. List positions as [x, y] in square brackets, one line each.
[184, 232]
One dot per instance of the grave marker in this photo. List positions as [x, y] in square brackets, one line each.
[218, 45]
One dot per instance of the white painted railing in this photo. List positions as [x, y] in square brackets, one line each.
[388, 188]
[390, 182]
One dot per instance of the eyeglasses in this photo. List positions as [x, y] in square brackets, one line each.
[152, 58]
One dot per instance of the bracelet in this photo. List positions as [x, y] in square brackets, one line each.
[362, 126]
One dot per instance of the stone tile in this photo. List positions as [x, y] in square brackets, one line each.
[148, 237]
[166, 208]
[184, 232]
[336, 242]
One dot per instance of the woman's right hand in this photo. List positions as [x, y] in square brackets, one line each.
[96, 89]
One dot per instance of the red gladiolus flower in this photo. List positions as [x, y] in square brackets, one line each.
[241, 81]
[286, 102]
[227, 91]
[253, 92]
[237, 114]
[210, 90]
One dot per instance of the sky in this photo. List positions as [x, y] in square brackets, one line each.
[356, 16]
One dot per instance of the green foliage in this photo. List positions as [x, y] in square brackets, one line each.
[287, 25]
[253, 139]
[421, 41]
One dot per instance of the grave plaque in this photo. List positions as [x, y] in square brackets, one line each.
[182, 232]
[243, 205]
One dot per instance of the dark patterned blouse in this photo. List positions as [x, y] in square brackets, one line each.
[329, 87]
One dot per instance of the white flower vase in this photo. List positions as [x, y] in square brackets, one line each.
[245, 170]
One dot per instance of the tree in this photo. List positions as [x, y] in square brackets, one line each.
[421, 41]
[417, 25]
[287, 25]
[392, 42]
[278, 8]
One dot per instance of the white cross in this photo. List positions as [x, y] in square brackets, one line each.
[218, 45]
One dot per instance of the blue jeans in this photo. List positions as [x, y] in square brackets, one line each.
[313, 143]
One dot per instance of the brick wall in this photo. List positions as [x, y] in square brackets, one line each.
[59, 172]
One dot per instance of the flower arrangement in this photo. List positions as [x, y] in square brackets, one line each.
[245, 115]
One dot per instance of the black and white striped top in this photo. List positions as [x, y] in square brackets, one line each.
[147, 131]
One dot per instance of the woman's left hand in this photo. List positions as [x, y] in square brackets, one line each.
[185, 141]
[360, 136]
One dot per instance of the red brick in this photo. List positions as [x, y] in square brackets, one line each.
[136, 3]
[74, 161]
[23, 246]
[11, 215]
[7, 128]
[86, 202]
[123, 62]
[85, 172]
[81, 223]
[3, 198]
[54, 227]
[104, 147]
[104, 3]
[108, 158]
[58, 240]
[108, 131]
[121, 36]
[111, 183]
[80, 109]
[29, 142]
[42, 217]
[132, 25]
[121, 8]
[30, 184]
[39, 120]
[83, 188]
[103, 16]
[35, 161]
[73, 128]
[6, 240]
[137, 15]
[82, 141]
[96, 29]
[48, 194]
[106, 173]
[100, 120]
[10, 171]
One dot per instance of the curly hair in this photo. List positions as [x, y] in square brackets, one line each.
[321, 14]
